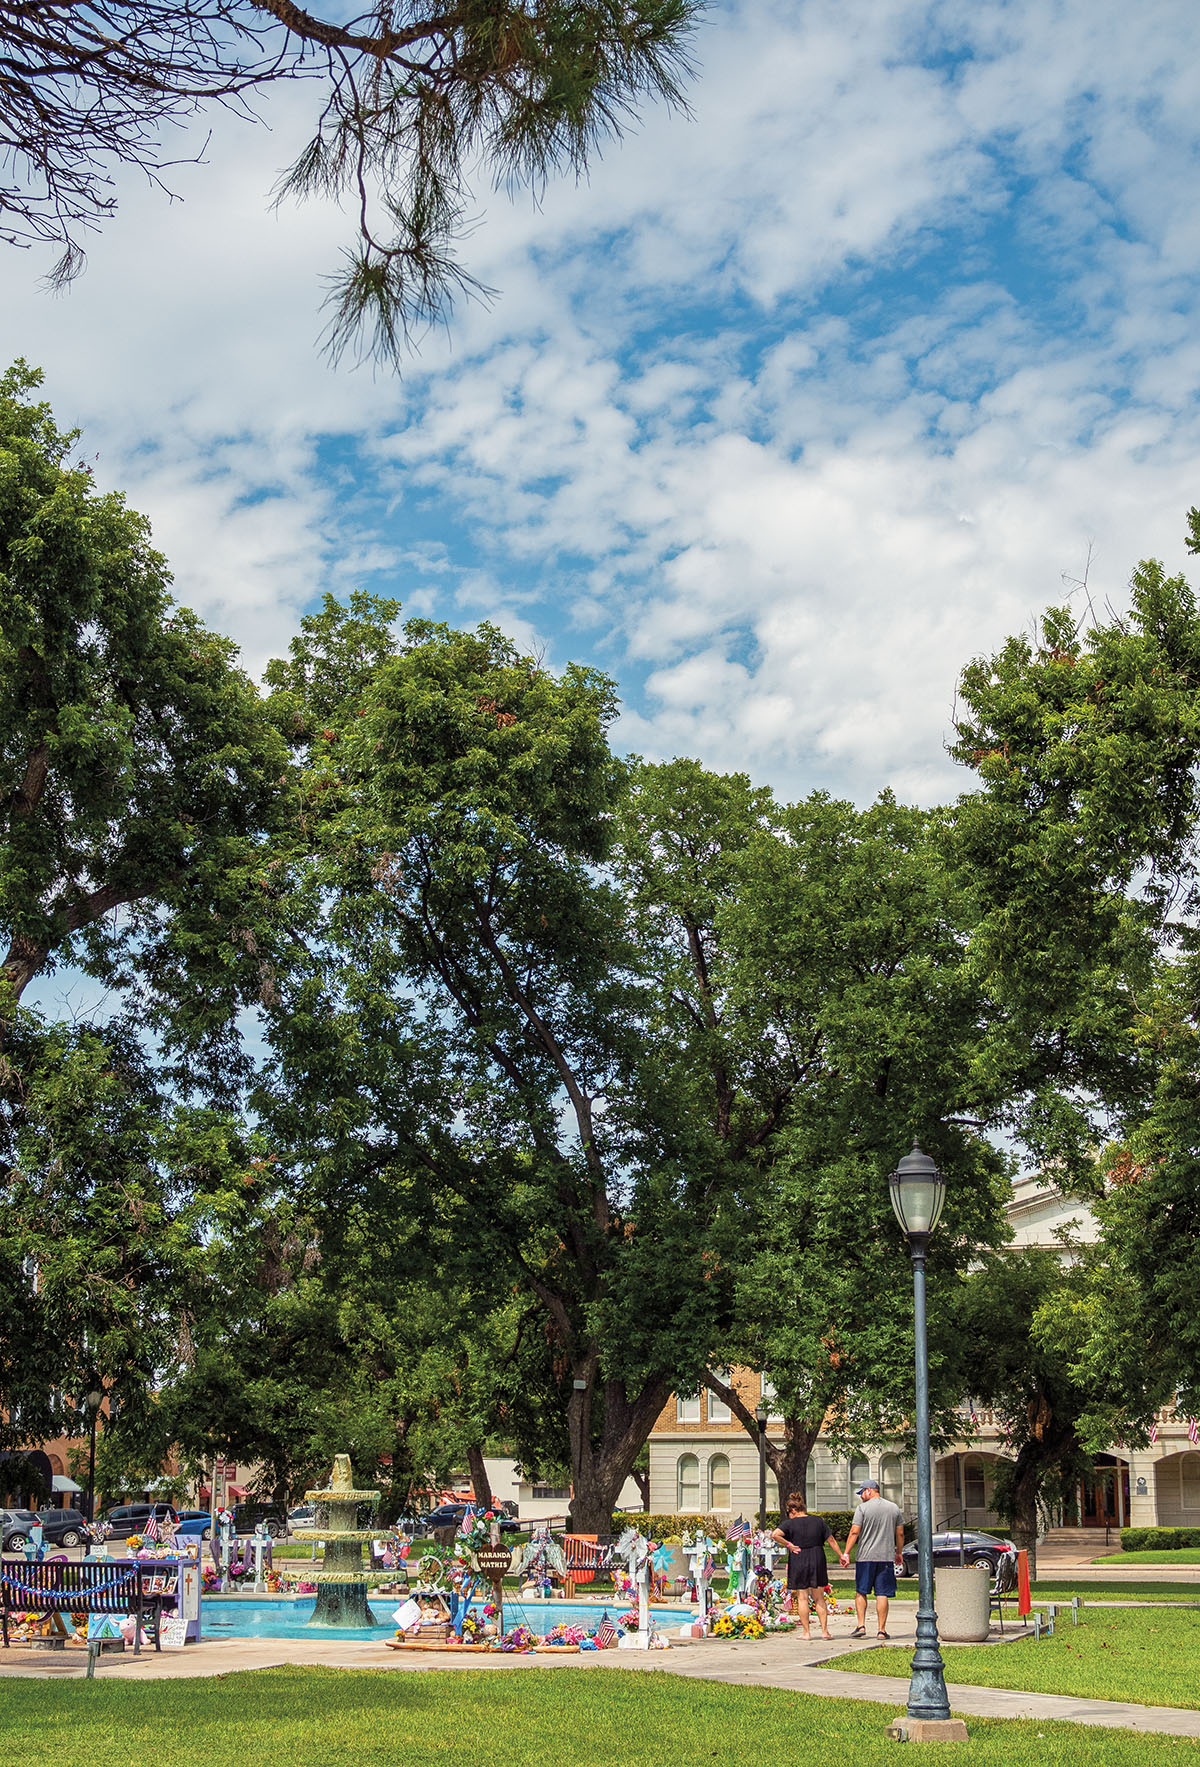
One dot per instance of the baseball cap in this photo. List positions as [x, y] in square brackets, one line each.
[871, 1485]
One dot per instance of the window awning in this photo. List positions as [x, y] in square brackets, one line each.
[60, 1482]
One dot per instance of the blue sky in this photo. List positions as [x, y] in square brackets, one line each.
[798, 404]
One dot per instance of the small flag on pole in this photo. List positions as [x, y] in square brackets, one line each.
[739, 1530]
[1193, 1430]
[1154, 1432]
[606, 1632]
[150, 1531]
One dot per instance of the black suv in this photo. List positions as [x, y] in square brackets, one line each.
[273, 1516]
[63, 1527]
[131, 1518]
[450, 1515]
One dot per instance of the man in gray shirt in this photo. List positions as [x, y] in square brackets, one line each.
[878, 1530]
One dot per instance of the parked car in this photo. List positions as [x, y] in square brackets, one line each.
[131, 1518]
[16, 1524]
[63, 1527]
[273, 1516]
[975, 1548]
[196, 1523]
[450, 1515]
[303, 1515]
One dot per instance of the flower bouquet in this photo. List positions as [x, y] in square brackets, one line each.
[565, 1633]
[629, 1621]
[738, 1626]
[520, 1639]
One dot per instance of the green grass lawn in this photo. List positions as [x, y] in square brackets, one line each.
[1186, 1555]
[528, 1718]
[1113, 1654]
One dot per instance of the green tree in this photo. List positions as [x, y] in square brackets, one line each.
[1030, 1317]
[471, 1019]
[138, 768]
[112, 1190]
[815, 1003]
[411, 101]
[1081, 846]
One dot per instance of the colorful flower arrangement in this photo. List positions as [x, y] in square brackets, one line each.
[565, 1634]
[520, 1638]
[738, 1626]
[629, 1621]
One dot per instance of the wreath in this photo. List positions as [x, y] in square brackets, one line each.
[432, 1572]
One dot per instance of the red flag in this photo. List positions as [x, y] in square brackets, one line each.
[1193, 1431]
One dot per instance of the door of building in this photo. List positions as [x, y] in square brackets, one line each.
[1104, 1494]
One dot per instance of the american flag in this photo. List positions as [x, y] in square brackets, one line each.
[466, 1525]
[606, 1632]
[739, 1530]
[1193, 1430]
[150, 1531]
[1154, 1432]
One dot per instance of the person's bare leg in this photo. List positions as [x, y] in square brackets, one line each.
[804, 1618]
[881, 1611]
[823, 1614]
[860, 1609]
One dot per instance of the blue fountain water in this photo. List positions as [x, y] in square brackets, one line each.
[289, 1619]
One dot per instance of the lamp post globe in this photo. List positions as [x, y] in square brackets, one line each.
[918, 1192]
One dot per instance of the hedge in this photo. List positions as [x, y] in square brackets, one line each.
[1159, 1539]
[663, 1527]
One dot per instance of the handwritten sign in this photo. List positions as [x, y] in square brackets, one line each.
[173, 1635]
[493, 1561]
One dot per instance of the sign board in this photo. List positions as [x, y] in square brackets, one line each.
[173, 1633]
[493, 1561]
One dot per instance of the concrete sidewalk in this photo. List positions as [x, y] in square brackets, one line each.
[777, 1661]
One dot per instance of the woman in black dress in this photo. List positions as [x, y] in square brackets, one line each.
[804, 1536]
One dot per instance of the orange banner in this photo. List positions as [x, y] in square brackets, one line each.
[1024, 1600]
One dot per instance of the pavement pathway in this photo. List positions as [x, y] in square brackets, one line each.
[777, 1661]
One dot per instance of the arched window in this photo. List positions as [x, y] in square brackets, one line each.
[687, 1482]
[860, 1472]
[974, 1484]
[718, 1482]
[1189, 1481]
[891, 1478]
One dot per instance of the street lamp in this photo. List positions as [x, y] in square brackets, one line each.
[918, 1191]
[760, 1413]
[93, 1401]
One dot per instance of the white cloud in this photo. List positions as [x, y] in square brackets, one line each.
[795, 406]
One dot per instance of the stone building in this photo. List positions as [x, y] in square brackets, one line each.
[702, 1460]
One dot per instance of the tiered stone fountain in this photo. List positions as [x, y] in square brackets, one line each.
[343, 1583]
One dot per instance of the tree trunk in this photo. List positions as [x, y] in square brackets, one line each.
[1025, 1519]
[479, 1479]
[642, 1481]
[602, 1460]
[789, 1463]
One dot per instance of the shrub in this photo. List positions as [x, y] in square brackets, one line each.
[662, 1527]
[1159, 1539]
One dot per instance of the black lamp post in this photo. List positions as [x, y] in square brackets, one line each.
[918, 1191]
[93, 1401]
[760, 1413]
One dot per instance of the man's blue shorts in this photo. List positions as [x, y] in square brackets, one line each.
[874, 1576]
